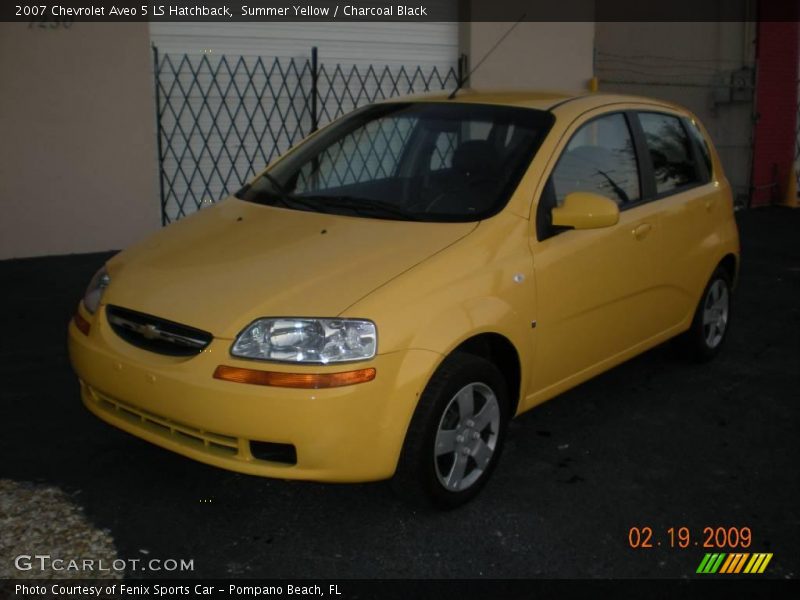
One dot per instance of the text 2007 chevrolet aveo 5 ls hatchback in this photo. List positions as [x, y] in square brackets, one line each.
[380, 301]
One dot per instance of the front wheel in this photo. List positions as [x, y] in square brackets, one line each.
[456, 434]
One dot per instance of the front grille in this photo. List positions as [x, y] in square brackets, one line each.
[156, 334]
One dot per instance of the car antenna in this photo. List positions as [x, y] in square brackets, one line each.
[464, 80]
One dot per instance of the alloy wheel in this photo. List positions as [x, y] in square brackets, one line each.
[467, 436]
[715, 313]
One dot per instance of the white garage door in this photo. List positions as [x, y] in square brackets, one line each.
[232, 96]
[425, 44]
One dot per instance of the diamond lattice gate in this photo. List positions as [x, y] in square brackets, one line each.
[222, 118]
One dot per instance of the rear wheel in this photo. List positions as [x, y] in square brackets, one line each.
[456, 435]
[711, 321]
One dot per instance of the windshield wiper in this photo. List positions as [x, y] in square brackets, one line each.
[242, 191]
[362, 206]
[282, 198]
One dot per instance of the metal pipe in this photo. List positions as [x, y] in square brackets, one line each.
[156, 73]
[314, 91]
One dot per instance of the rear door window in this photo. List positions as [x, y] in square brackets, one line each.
[670, 152]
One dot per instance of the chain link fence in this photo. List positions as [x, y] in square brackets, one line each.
[222, 118]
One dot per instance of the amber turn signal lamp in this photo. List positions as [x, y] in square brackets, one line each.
[82, 324]
[293, 380]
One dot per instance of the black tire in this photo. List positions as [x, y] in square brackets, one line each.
[422, 477]
[705, 338]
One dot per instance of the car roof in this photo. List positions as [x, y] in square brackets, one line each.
[575, 102]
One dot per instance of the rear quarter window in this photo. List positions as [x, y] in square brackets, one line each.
[701, 143]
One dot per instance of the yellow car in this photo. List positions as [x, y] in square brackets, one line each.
[381, 300]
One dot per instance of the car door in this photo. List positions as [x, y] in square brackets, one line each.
[690, 207]
[596, 290]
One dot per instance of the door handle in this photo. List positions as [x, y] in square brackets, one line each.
[641, 231]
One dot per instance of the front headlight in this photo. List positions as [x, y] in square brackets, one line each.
[95, 289]
[307, 340]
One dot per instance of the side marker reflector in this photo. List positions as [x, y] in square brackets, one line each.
[82, 324]
[293, 380]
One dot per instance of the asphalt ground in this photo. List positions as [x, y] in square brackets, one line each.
[654, 443]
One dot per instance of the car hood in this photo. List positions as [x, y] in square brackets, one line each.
[227, 265]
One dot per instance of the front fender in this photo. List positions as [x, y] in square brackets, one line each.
[484, 283]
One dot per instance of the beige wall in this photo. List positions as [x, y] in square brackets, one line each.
[78, 166]
[551, 56]
[690, 64]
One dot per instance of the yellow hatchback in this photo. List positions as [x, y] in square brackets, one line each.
[382, 299]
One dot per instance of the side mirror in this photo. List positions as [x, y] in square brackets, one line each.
[585, 210]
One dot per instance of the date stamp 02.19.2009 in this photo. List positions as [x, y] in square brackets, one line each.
[737, 541]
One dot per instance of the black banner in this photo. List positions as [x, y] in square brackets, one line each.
[396, 10]
[244, 589]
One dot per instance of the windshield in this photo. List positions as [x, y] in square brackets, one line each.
[408, 161]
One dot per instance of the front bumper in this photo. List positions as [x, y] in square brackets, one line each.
[351, 433]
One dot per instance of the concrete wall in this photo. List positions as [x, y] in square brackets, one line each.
[690, 64]
[78, 165]
[556, 56]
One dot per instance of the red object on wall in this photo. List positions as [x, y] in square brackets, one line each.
[777, 52]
